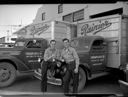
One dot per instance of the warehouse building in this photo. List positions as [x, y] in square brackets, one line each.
[69, 13]
[78, 12]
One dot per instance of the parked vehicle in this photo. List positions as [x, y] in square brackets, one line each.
[21, 58]
[114, 31]
[101, 44]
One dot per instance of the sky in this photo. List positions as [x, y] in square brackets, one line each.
[16, 15]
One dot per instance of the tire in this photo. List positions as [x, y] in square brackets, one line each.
[82, 80]
[7, 74]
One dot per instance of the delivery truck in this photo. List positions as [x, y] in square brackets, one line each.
[114, 30]
[22, 57]
[101, 44]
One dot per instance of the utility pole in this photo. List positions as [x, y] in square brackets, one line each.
[7, 35]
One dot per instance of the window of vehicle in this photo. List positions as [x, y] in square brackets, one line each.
[43, 16]
[79, 44]
[74, 43]
[98, 45]
[19, 43]
[34, 44]
[60, 8]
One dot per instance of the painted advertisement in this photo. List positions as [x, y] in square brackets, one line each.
[107, 27]
[97, 59]
[38, 29]
[34, 29]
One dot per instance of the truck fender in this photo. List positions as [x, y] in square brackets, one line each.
[86, 68]
[19, 65]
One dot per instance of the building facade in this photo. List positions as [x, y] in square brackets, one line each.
[78, 12]
[8, 39]
[69, 13]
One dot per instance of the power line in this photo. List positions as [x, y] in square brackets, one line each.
[12, 25]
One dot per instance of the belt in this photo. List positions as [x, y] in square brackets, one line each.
[70, 61]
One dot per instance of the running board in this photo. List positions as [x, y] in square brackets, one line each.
[50, 80]
[37, 75]
[98, 75]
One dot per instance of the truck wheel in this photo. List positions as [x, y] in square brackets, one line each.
[82, 80]
[7, 74]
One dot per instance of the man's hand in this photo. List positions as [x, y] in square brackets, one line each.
[53, 56]
[62, 60]
[76, 70]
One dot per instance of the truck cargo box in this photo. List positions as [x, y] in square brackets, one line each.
[49, 30]
[114, 29]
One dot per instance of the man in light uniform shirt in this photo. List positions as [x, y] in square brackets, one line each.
[70, 56]
[50, 54]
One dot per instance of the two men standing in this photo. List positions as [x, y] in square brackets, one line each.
[71, 58]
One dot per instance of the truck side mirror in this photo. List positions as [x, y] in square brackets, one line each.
[34, 41]
[117, 46]
[104, 43]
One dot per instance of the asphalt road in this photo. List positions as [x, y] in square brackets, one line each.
[29, 85]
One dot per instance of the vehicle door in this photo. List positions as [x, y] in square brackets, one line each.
[34, 51]
[114, 56]
[98, 56]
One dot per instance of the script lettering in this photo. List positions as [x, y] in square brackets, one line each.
[39, 30]
[94, 28]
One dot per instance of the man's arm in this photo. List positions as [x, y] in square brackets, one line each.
[61, 55]
[46, 55]
[76, 57]
[58, 54]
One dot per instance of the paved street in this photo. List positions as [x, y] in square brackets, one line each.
[102, 85]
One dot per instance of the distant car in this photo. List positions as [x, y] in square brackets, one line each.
[6, 44]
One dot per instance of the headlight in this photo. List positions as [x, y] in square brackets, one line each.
[39, 59]
[65, 69]
[58, 64]
[53, 60]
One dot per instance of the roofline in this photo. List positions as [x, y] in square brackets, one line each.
[30, 38]
[89, 36]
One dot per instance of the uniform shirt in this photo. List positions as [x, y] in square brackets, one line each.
[49, 52]
[70, 54]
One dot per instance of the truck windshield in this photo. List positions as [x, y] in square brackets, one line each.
[19, 43]
[79, 44]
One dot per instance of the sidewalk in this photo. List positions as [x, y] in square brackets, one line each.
[37, 94]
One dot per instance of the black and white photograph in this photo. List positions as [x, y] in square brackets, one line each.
[64, 49]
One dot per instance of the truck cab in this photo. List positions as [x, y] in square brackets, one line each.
[22, 58]
[92, 52]
[32, 50]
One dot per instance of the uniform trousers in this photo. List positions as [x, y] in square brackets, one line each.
[70, 74]
[45, 66]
